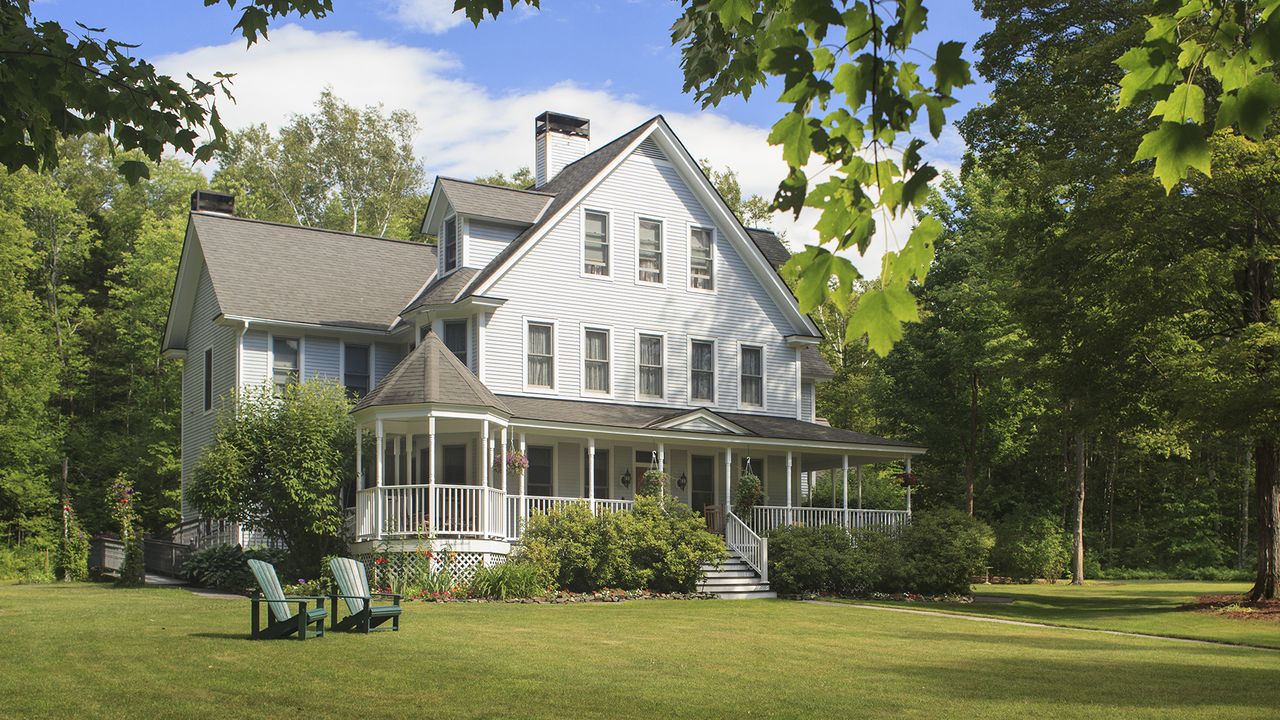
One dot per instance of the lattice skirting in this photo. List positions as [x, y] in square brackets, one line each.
[401, 565]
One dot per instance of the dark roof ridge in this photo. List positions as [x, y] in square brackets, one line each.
[224, 216]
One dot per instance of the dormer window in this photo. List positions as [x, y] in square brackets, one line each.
[449, 243]
[595, 243]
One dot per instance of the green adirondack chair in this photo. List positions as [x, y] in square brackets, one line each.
[286, 622]
[353, 589]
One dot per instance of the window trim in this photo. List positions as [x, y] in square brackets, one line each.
[444, 335]
[764, 374]
[666, 365]
[613, 360]
[208, 380]
[342, 363]
[555, 355]
[662, 251]
[715, 369]
[689, 228]
[271, 356]
[609, 236]
[457, 246]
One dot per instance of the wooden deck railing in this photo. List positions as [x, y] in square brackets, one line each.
[750, 547]
[767, 517]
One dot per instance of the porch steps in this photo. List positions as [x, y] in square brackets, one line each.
[734, 580]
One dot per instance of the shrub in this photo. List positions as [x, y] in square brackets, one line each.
[1029, 547]
[942, 550]
[672, 544]
[25, 562]
[71, 562]
[828, 560]
[225, 567]
[511, 579]
[563, 544]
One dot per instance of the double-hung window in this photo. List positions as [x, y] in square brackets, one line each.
[596, 361]
[650, 359]
[595, 243]
[541, 355]
[702, 370]
[449, 243]
[650, 252]
[455, 338]
[751, 369]
[355, 369]
[284, 362]
[701, 270]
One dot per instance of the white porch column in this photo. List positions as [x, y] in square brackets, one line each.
[728, 479]
[486, 459]
[844, 490]
[359, 457]
[908, 488]
[504, 461]
[395, 454]
[790, 479]
[379, 469]
[431, 475]
[591, 474]
[524, 483]
[859, 486]
[662, 463]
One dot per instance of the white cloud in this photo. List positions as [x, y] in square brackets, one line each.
[432, 16]
[467, 129]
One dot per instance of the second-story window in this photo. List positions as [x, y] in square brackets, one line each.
[752, 371]
[355, 369]
[595, 243]
[541, 341]
[650, 252]
[702, 370]
[650, 359]
[596, 362]
[284, 362]
[449, 244]
[455, 338]
[701, 265]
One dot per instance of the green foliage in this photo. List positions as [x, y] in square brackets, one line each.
[125, 511]
[749, 493]
[67, 84]
[26, 562]
[339, 167]
[752, 210]
[653, 483]
[942, 549]
[660, 545]
[277, 463]
[226, 567]
[71, 564]
[511, 579]
[1029, 547]
[520, 179]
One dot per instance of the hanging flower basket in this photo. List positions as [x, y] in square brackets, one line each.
[653, 482]
[517, 462]
[908, 479]
[750, 493]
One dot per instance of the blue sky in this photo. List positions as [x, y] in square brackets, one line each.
[476, 90]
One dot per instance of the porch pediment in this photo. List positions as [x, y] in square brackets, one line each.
[701, 420]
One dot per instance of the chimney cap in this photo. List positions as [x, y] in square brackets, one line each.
[209, 201]
[561, 123]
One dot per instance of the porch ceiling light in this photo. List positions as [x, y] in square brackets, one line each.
[683, 481]
[626, 478]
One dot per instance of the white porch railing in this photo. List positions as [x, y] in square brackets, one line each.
[394, 511]
[750, 546]
[767, 517]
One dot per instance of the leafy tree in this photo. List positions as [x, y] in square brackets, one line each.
[752, 211]
[62, 83]
[340, 167]
[520, 179]
[277, 464]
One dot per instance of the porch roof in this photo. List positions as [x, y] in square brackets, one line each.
[431, 374]
[648, 417]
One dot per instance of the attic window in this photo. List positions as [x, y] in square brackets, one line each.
[449, 243]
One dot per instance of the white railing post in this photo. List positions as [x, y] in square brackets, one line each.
[790, 480]
[728, 479]
[359, 458]
[379, 469]
[591, 474]
[524, 487]
[764, 559]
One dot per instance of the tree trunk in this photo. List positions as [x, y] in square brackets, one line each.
[971, 452]
[1266, 483]
[1242, 560]
[1077, 550]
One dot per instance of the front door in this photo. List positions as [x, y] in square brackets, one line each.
[702, 487]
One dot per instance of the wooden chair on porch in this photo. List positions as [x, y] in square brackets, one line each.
[353, 589]
[286, 623]
[714, 515]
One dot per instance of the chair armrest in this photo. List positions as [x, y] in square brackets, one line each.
[397, 596]
[294, 598]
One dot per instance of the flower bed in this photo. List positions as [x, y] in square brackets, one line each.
[564, 597]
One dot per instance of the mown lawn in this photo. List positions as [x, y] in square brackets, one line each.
[1151, 607]
[91, 651]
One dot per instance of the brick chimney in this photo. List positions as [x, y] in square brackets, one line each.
[558, 140]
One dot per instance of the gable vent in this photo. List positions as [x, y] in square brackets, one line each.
[650, 149]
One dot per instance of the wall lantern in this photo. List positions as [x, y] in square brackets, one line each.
[626, 478]
[683, 481]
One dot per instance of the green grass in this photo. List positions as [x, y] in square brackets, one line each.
[1150, 607]
[91, 651]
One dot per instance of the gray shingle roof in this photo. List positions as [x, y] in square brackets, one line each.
[774, 250]
[642, 416]
[443, 290]
[813, 366]
[431, 374]
[298, 274]
[494, 201]
[565, 185]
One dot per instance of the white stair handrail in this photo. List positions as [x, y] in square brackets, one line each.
[752, 548]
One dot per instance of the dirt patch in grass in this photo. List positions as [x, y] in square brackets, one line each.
[1235, 607]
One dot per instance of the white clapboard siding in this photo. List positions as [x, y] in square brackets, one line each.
[547, 284]
[255, 358]
[806, 402]
[386, 357]
[320, 357]
[486, 239]
[197, 424]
